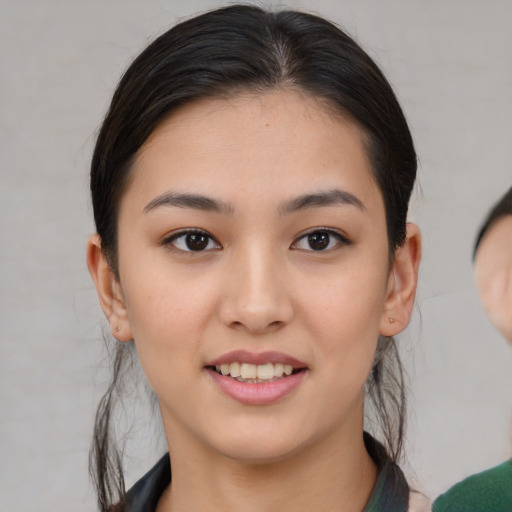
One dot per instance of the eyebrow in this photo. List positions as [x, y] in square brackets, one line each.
[204, 203]
[319, 199]
[194, 201]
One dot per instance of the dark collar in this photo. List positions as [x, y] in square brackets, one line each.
[391, 490]
[144, 495]
[390, 493]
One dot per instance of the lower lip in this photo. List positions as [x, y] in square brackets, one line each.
[262, 393]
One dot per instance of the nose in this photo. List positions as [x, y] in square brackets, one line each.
[255, 297]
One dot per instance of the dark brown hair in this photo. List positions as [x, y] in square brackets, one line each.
[500, 209]
[221, 53]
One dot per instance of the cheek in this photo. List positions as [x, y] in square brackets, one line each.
[352, 302]
[167, 319]
[160, 294]
[167, 311]
[344, 318]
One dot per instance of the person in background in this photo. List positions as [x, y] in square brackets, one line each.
[491, 490]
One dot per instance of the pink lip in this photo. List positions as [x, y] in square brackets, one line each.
[261, 393]
[257, 393]
[242, 356]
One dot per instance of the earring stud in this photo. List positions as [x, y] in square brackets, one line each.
[391, 320]
[117, 329]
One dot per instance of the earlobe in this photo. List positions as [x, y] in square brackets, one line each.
[402, 283]
[109, 290]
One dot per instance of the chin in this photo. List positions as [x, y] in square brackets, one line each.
[260, 457]
[255, 450]
[507, 334]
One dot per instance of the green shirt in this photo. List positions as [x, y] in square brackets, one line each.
[489, 491]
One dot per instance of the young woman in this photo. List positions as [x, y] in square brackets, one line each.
[490, 490]
[250, 186]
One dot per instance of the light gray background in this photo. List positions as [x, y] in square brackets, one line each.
[450, 62]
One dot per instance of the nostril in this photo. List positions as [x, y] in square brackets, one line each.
[254, 316]
[257, 327]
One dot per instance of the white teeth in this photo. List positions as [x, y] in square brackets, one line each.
[278, 369]
[265, 371]
[253, 372]
[234, 369]
[248, 371]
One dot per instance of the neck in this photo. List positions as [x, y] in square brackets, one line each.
[337, 474]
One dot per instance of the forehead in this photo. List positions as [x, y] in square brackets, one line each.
[264, 142]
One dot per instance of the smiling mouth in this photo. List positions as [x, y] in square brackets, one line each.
[255, 373]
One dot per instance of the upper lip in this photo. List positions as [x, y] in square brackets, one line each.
[243, 356]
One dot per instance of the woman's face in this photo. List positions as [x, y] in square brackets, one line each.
[252, 235]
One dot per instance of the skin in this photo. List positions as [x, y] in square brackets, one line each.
[258, 287]
[493, 273]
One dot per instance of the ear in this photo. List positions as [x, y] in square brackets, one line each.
[109, 290]
[402, 282]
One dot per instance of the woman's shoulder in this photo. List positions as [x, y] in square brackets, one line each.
[488, 491]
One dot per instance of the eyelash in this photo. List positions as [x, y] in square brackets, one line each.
[341, 240]
[170, 241]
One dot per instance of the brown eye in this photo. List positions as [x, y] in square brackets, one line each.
[321, 240]
[192, 241]
[196, 242]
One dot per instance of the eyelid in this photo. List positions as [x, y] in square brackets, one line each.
[172, 237]
[342, 239]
